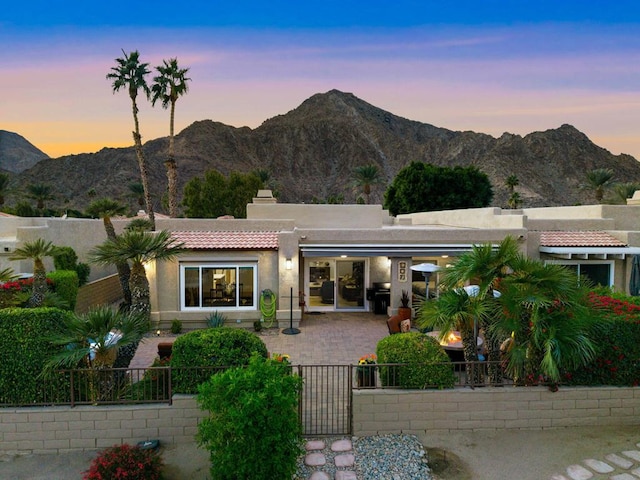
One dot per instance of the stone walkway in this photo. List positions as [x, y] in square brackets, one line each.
[342, 462]
[623, 466]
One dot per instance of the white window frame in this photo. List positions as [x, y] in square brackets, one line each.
[221, 265]
[611, 264]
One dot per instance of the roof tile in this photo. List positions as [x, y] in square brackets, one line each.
[579, 239]
[225, 240]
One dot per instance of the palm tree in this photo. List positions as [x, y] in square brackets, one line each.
[545, 315]
[485, 266]
[511, 183]
[130, 74]
[41, 193]
[455, 309]
[36, 251]
[106, 208]
[366, 176]
[624, 191]
[7, 275]
[137, 192]
[95, 340]
[137, 247]
[514, 200]
[169, 85]
[598, 180]
[4, 187]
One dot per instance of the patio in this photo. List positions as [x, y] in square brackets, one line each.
[332, 338]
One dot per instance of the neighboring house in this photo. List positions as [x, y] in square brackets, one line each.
[341, 257]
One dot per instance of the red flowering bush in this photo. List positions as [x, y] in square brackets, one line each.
[125, 462]
[617, 335]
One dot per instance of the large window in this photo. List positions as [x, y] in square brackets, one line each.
[600, 273]
[218, 286]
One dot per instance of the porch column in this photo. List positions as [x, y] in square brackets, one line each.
[400, 280]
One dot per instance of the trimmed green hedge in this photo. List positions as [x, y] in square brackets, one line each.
[65, 285]
[428, 364]
[25, 350]
[211, 347]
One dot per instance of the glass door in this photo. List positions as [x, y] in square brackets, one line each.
[321, 284]
[350, 291]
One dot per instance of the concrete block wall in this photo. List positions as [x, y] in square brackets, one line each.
[100, 292]
[63, 429]
[412, 412]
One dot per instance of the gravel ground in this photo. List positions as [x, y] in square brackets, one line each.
[386, 457]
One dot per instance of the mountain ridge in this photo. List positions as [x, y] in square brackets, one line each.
[311, 152]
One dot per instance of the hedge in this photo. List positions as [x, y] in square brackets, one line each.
[25, 350]
[211, 347]
[65, 285]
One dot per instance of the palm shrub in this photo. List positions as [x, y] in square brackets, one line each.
[424, 363]
[212, 347]
[253, 431]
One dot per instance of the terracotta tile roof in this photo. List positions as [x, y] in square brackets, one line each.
[579, 239]
[207, 240]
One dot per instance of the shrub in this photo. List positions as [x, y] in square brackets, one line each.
[15, 293]
[65, 258]
[427, 363]
[253, 432]
[65, 285]
[216, 319]
[125, 461]
[25, 350]
[176, 327]
[212, 347]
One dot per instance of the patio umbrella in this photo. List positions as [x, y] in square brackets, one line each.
[634, 280]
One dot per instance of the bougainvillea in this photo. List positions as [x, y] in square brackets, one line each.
[125, 462]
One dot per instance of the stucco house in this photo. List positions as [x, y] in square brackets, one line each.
[338, 257]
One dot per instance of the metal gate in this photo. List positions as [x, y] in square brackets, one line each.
[325, 403]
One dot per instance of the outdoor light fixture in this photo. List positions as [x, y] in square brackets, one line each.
[288, 264]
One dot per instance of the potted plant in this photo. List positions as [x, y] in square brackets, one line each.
[404, 310]
[366, 370]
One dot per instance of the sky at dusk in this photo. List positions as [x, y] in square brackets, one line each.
[483, 65]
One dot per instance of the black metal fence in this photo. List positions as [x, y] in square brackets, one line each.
[325, 402]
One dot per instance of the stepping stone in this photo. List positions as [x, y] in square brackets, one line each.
[636, 472]
[345, 460]
[578, 472]
[315, 460]
[559, 477]
[623, 476]
[635, 454]
[319, 476]
[598, 466]
[346, 475]
[314, 445]
[341, 446]
[619, 461]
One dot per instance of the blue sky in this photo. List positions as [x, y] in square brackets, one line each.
[487, 66]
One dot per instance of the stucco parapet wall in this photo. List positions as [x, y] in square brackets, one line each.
[625, 217]
[322, 215]
[492, 217]
[221, 225]
[541, 224]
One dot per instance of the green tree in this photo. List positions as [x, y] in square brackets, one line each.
[216, 195]
[546, 318]
[41, 193]
[514, 200]
[365, 177]
[106, 208]
[169, 85]
[624, 191]
[130, 73]
[36, 251]
[423, 187]
[136, 191]
[137, 247]
[598, 181]
[511, 182]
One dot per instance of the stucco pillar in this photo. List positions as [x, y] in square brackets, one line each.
[400, 280]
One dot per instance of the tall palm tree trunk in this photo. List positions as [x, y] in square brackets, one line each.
[39, 287]
[140, 302]
[172, 169]
[124, 271]
[470, 350]
[144, 177]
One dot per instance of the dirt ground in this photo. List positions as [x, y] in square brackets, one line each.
[522, 455]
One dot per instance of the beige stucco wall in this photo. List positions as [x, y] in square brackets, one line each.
[322, 215]
[491, 217]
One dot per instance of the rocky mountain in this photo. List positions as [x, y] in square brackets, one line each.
[312, 150]
[17, 154]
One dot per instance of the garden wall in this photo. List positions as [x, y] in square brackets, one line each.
[60, 429]
[395, 411]
[106, 290]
